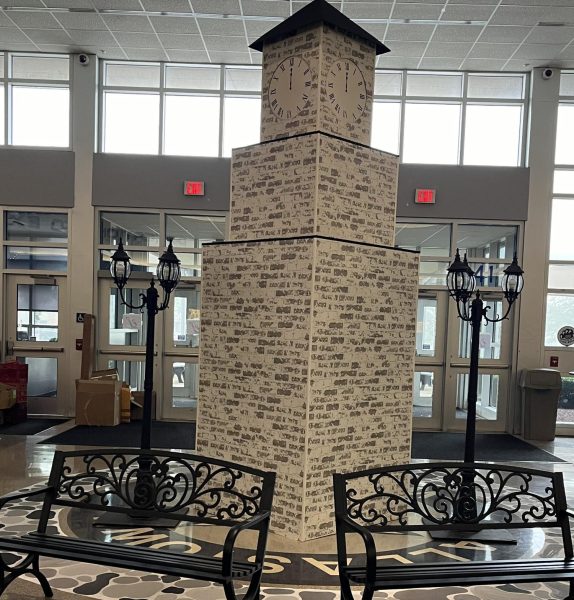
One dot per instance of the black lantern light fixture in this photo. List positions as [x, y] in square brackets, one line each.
[461, 282]
[168, 274]
[120, 266]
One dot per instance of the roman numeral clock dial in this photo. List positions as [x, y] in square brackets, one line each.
[346, 90]
[289, 87]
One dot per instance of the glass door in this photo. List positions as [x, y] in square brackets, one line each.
[494, 366]
[122, 332]
[181, 353]
[122, 337]
[429, 360]
[35, 336]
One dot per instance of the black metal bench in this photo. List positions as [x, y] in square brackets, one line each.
[144, 484]
[454, 497]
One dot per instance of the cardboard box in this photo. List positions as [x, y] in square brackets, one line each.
[125, 403]
[7, 396]
[111, 374]
[98, 402]
[137, 406]
[88, 350]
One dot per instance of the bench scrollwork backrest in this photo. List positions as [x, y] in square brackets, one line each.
[428, 496]
[179, 485]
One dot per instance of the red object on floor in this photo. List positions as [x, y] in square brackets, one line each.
[15, 374]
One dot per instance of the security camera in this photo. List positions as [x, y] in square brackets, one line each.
[84, 59]
[547, 73]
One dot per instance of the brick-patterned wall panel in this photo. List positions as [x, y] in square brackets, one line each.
[361, 369]
[305, 45]
[306, 365]
[356, 192]
[255, 323]
[313, 184]
[336, 46]
[273, 189]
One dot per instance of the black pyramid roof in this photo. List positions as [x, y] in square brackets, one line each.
[318, 11]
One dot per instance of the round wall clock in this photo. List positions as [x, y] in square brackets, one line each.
[289, 87]
[346, 90]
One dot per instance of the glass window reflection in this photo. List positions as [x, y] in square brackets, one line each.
[428, 239]
[487, 241]
[134, 229]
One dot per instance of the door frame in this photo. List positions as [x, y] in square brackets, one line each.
[507, 413]
[13, 348]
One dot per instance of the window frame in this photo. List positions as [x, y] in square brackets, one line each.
[464, 100]
[62, 245]
[562, 100]
[8, 82]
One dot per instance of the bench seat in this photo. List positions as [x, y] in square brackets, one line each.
[472, 573]
[129, 557]
[459, 498]
[143, 488]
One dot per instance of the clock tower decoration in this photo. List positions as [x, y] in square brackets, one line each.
[309, 311]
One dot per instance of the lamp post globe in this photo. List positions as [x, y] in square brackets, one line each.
[460, 279]
[168, 269]
[512, 281]
[120, 266]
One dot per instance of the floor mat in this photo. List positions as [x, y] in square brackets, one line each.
[489, 446]
[164, 434]
[30, 426]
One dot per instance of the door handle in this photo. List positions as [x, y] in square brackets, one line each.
[28, 349]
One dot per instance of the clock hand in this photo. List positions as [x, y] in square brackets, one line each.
[346, 80]
[290, 76]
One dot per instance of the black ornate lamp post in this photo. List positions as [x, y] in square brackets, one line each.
[461, 282]
[168, 274]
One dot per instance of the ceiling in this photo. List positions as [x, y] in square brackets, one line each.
[490, 35]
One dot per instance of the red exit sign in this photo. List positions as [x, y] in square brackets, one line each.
[193, 188]
[425, 196]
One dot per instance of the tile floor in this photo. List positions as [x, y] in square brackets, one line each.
[304, 571]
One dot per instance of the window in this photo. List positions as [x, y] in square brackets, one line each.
[241, 123]
[431, 133]
[47, 127]
[559, 311]
[191, 126]
[560, 296]
[486, 123]
[145, 237]
[131, 123]
[386, 128]
[561, 247]
[207, 110]
[436, 111]
[564, 134]
[28, 81]
[35, 241]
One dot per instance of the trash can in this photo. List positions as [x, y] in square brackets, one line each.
[540, 393]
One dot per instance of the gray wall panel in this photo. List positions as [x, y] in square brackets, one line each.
[157, 181]
[462, 192]
[37, 178]
[465, 192]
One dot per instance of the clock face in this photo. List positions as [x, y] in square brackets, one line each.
[289, 87]
[346, 90]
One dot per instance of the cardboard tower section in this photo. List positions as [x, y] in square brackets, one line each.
[308, 323]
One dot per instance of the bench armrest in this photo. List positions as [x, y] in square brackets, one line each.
[5, 499]
[232, 534]
[349, 526]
